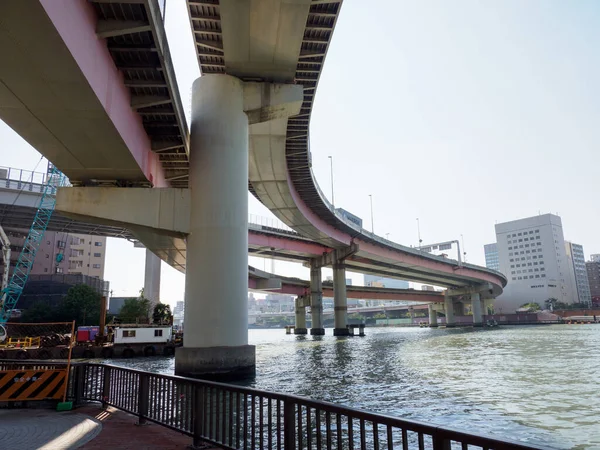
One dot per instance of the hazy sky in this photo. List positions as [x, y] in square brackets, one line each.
[462, 113]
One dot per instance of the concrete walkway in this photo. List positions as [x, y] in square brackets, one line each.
[31, 429]
[88, 428]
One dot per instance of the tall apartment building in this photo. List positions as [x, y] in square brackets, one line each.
[595, 257]
[593, 273]
[578, 272]
[87, 255]
[491, 256]
[532, 255]
[62, 253]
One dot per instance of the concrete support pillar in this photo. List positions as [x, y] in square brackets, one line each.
[152, 279]
[449, 307]
[432, 316]
[300, 327]
[476, 309]
[316, 301]
[484, 310]
[216, 283]
[340, 302]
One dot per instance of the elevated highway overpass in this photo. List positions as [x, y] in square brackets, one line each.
[18, 205]
[105, 109]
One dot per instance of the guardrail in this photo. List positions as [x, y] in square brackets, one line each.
[23, 180]
[235, 417]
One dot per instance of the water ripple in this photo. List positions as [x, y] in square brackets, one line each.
[534, 384]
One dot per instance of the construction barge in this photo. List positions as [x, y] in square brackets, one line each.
[121, 341]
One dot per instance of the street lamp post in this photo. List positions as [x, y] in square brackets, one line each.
[372, 225]
[419, 233]
[331, 165]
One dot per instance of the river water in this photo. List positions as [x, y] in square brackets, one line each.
[536, 384]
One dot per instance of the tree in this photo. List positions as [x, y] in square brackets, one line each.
[135, 310]
[39, 313]
[81, 304]
[531, 306]
[551, 303]
[162, 314]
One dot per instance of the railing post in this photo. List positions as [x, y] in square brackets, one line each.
[143, 395]
[106, 387]
[79, 384]
[440, 442]
[198, 415]
[289, 425]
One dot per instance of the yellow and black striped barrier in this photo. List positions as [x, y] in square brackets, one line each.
[24, 385]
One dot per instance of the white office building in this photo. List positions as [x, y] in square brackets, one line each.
[532, 255]
[578, 272]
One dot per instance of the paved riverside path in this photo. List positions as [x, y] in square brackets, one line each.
[88, 428]
[33, 429]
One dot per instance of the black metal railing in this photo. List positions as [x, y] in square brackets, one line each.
[235, 417]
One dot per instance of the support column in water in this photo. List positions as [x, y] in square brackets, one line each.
[300, 327]
[152, 279]
[340, 302]
[316, 300]
[432, 316]
[216, 282]
[476, 309]
[449, 308]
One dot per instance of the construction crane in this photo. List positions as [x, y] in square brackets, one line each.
[14, 288]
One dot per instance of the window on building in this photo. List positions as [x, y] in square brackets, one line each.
[60, 244]
[537, 276]
[512, 266]
[98, 244]
[510, 248]
[543, 275]
[537, 237]
[530, 276]
[97, 255]
[526, 239]
[47, 242]
[542, 269]
[158, 333]
[514, 278]
[45, 269]
[128, 333]
[537, 231]
[47, 256]
[512, 272]
[520, 278]
[531, 232]
[96, 266]
[520, 234]
[59, 270]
